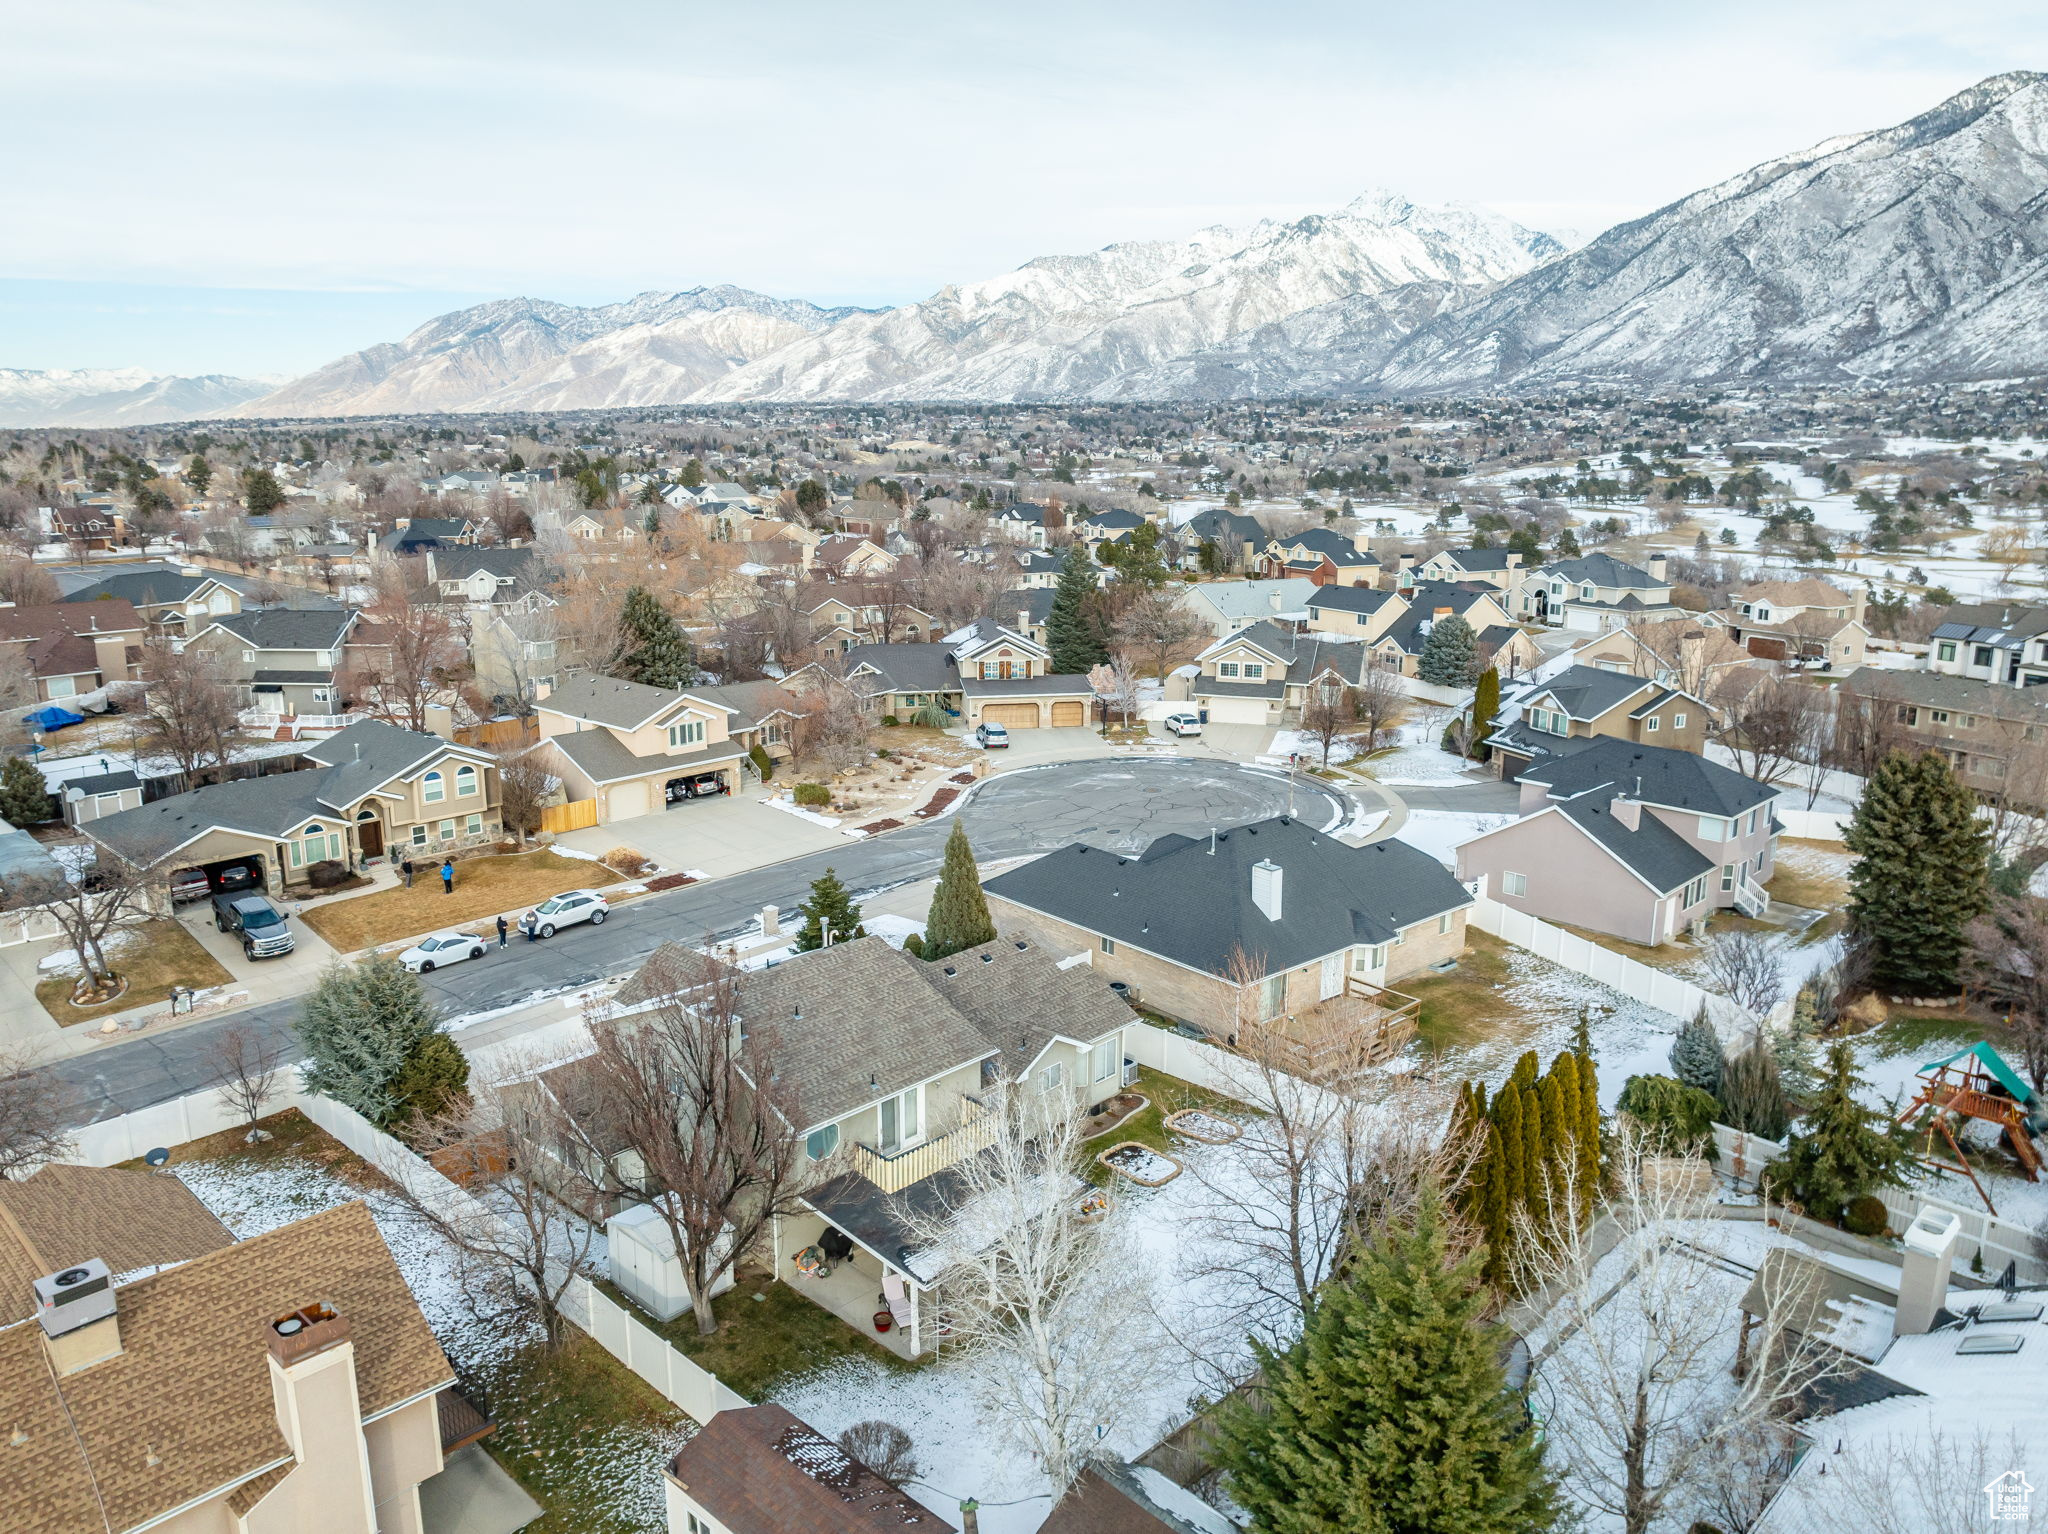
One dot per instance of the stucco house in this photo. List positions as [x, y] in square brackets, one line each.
[1583, 705]
[1322, 555]
[1262, 674]
[1687, 652]
[375, 788]
[176, 602]
[1805, 622]
[886, 1060]
[2002, 642]
[1397, 624]
[1235, 536]
[633, 748]
[284, 661]
[1637, 841]
[1224, 607]
[1499, 568]
[1272, 923]
[1596, 592]
[74, 648]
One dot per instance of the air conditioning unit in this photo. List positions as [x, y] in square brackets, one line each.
[75, 1297]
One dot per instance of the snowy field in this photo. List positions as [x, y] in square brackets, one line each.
[1438, 832]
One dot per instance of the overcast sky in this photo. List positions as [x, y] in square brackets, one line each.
[235, 186]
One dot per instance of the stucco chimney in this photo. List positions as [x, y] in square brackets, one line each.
[1657, 564]
[1266, 882]
[1627, 812]
[1930, 1245]
[320, 1414]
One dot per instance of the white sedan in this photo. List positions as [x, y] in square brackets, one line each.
[431, 953]
[564, 910]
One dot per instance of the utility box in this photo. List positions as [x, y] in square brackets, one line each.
[644, 1263]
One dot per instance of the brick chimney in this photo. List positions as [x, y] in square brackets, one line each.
[320, 1413]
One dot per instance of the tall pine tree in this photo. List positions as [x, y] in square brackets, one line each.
[1450, 656]
[1391, 1414]
[830, 910]
[24, 796]
[654, 650]
[361, 1027]
[1843, 1150]
[1485, 706]
[1070, 631]
[1922, 873]
[959, 916]
[1696, 1056]
[1535, 1194]
[1507, 1117]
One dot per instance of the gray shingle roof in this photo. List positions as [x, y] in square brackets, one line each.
[1659, 855]
[1659, 775]
[1034, 602]
[1587, 692]
[1350, 599]
[462, 561]
[907, 667]
[1959, 694]
[1601, 570]
[274, 678]
[610, 700]
[384, 751]
[290, 628]
[1185, 902]
[1056, 685]
[142, 587]
[599, 754]
[1480, 559]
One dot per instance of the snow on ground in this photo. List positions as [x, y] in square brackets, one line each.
[892, 929]
[1436, 832]
[1363, 822]
[789, 807]
[1297, 743]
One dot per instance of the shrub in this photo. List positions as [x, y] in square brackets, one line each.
[883, 754]
[930, 719]
[1681, 1118]
[763, 762]
[326, 874]
[913, 944]
[1865, 1216]
[811, 795]
[624, 860]
[890, 721]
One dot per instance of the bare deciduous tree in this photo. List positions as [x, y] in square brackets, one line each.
[2007, 961]
[1929, 1482]
[33, 1114]
[523, 782]
[189, 706]
[884, 1448]
[1161, 627]
[412, 652]
[245, 1071]
[1328, 715]
[1379, 702]
[696, 1097]
[1744, 966]
[89, 906]
[1765, 722]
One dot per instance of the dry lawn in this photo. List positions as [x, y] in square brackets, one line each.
[1464, 1006]
[483, 888]
[162, 957]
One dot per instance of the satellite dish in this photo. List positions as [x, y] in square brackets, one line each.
[158, 1156]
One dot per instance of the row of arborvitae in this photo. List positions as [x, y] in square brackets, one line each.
[1541, 1158]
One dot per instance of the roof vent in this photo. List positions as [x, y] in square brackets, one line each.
[988, 958]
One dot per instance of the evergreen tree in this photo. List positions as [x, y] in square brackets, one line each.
[1534, 1193]
[1798, 1047]
[830, 909]
[1843, 1150]
[360, 1027]
[1391, 1414]
[1696, 1056]
[1568, 544]
[959, 916]
[1493, 1216]
[198, 474]
[693, 474]
[1450, 656]
[24, 796]
[1485, 706]
[261, 492]
[1921, 874]
[1751, 1098]
[1678, 1117]
[656, 653]
[434, 1075]
[1069, 632]
[1560, 1094]
[1592, 1170]
[1507, 1118]
[811, 500]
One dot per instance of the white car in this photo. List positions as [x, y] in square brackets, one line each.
[429, 954]
[1182, 724]
[564, 910]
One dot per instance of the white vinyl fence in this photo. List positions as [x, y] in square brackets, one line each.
[643, 1350]
[1813, 825]
[1744, 1155]
[1984, 1235]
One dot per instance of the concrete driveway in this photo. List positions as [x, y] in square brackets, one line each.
[1240, 742]
[725, 835]
[263, 979]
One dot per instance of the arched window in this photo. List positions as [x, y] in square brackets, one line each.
[821, 1143]
[432, 788]
[465, 781]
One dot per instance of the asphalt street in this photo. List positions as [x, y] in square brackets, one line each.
[1116, 803]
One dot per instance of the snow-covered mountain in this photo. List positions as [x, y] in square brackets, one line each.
[115, 396]
[1915, 252]
[528, 353]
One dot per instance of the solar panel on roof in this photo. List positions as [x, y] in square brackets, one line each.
[1991, 1342]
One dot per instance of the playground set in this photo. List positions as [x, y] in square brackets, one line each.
[1976, 1083]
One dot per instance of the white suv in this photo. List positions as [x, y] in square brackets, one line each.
[564, 910]
[1182, 724]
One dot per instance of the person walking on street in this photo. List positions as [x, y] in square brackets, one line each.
[405, 868]
[504, 931]
[448, 876]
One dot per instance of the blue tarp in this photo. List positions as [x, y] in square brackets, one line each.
[54, 718]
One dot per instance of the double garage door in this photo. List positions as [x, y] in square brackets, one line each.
[1025, 716]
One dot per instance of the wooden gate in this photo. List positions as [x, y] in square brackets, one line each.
[573, 816]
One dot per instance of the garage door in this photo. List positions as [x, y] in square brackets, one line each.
[1016, 716]
[1237, 710]
[1069, 715]
[625, 801]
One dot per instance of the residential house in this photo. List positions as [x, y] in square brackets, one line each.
[1224, 607]
[1113, 1498]
[1634, 840]
[504, 610]
[1397, 625]
[1042, 568]
[1270, 924]
[374, 790]
[74, 648]
[900, 680]
[89, 526]
[1322, 555]
[1596, 592]
[843, 558]
[886, 1062]
[1498, 568]
[1688, 653]
[1263, 674]
[845, 614]
[1026, 611]
[761, 1470]
[464, 482]
[1021, 522]
[1582, 705]
[1008, 679]
[286, 1382]
[1804, 622]
[633, 748]
[1235, 537]
[415, 535]
[284, 661]
[2001, 642]
[1109, 525]
[173, 602]
[1991, 732]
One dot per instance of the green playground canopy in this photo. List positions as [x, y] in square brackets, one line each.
[1990, 1059]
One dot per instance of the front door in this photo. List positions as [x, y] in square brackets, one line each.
[1333, 976]
[371, 834]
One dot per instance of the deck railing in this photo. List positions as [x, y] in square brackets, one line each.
[893, 1173]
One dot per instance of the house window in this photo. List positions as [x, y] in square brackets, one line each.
[1102, 1060]
[1253, 673]
[474, 825]
[465, 781]
[1966, 721]
[1909, 716]
[1946, 650]
[433, 788]
[1227, 668]
[1983, 655]
[1651, 724]
[1696, 891]
[819, 1144]
[1443, 924]
[1364, 959]
[1050, 1078]
[419, 836]
[689, 733]
[1727, 877]
[1514, 884]
[1272, 993]
[447, 829]
[1678, 721]
[1940, 715]
[900, 1121]
[316, 846]
[1754, 817]
[1585, 593]
[1109, 945]
[1713, 829]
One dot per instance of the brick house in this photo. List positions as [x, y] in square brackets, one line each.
[1637, 841]
[1582, 705]
[1322, 555]
[1270, 923]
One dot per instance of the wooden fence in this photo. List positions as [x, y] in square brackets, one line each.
[499, 734]
[573, 816]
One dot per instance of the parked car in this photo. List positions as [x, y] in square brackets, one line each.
[991, 737]
[238, 876]
[189, 884]
[1183, 724]
[259, 924]
[429, 954]
[702, 786]
[564, 910]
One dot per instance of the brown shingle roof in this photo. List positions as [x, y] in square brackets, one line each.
[1801, 593]
[760, 1470]
[114, 615]
[191, 1386]
[64, 1215]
